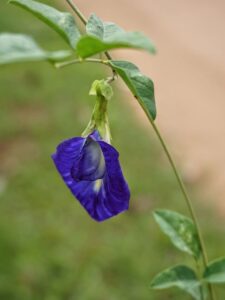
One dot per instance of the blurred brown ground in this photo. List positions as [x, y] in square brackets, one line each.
[189, 76]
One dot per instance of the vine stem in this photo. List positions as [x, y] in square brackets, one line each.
[186, 197]
[77, 11]
[199, 271]
[164, 146]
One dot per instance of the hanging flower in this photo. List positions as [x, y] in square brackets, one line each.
[90, 168]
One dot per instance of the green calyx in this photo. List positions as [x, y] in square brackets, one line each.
[101, 88]
[99, 119]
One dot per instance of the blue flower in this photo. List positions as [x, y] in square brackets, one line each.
[90, 168]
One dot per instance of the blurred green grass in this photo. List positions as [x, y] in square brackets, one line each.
[49, 248]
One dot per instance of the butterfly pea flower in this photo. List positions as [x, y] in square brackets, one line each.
[90, 167]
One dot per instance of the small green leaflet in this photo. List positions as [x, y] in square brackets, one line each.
[180, 230]
[215, 271]
[20, 47]
[103, 36]
[140, 85]
[102, 30]
[61, 22]
[179, 276]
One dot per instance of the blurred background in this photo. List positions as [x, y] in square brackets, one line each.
[49, 247]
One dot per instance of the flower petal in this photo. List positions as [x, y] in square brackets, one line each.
[115, 186]
[108, 197]
[104, 197]
[95, 135]
[66, 153]
[91, 199]
[91, 163]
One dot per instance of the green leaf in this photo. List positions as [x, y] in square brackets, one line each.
[20, 47]
[140, 85]
[103, 36]
[102, 30]
[181, 231]
[215, 271]
[61, 22]
[90, 45]
[179, 276]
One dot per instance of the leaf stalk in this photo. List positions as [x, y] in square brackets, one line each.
[80, 61]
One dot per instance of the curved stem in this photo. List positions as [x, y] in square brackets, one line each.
[186, 197]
